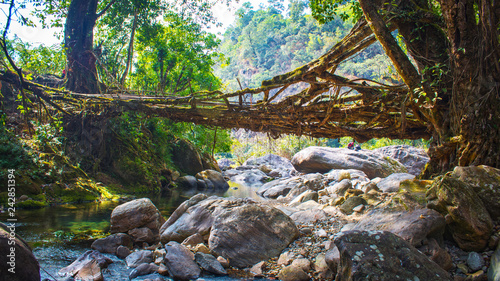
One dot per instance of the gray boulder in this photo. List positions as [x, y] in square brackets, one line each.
[278, 166]
[21, 260]
[209, 263]
[414, 159]
[391, 183]
[251, 177]
[250, 233]
[323, 159]
[143, 269]
[180, 262]
[87, 267]
[225, 164]
[137, 258]
[187, 183]
[291, 187]
[112, 242]
[383, 256]
[413, 226]
[136, 214]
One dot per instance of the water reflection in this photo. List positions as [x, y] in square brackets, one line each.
[45, 229]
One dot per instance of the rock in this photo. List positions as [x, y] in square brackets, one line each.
[225, 164]
[137, 258]
[485, 181]
[285, 258]
[437, 254]
[392, 182]
[303, 264]
[187, 183]
[196, 216]
[180, 262]
[414, 159]
[186, 157]
[258, 269]
[87, 267]
[201, 248]
[358, 209]
[303, 197]
[122, 252]
[309, 216]
[332, 259]
[381, 255]
[494, 269]
[321, 233]
[467, 218]
[251, 178]
[323, 159]
[22, 260]
[143, 234]
[193, 240]
[276, 165]
[475, 261]
[291, 187]
[223, 261]
[143, 269]
[414, 226]
[136, 214]
[250, 233]
[112, 242]
[321, 267]
[350, 203]
[290, 273]
[340, 188]
[209, 263]
[218, 183]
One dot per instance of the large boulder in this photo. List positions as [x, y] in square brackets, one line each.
[383, 256]
[136, 214]
[277, 166]
[467, 218]
[180, 262]
[139, 257]
[187, 158]
[291, 187]
[212, 181]
[485, 181]
[413, 158]
[391, 183]
[20, 264]
[247, 176]
[323, 159]
[414, 226]
[251, 233]
[112, 242]
[87, 267]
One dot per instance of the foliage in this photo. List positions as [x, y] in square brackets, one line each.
[175, 57]
[39, 59]
[263, 43]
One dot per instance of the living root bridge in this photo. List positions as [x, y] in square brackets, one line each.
[329, 105]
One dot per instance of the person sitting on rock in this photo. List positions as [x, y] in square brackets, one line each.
[357, 148]
[351, 145]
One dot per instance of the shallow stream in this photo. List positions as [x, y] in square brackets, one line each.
[53, 231]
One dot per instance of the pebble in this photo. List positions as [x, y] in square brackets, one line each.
[475, 261]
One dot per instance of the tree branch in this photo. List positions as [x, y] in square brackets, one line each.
[403, 65]
[105, 9]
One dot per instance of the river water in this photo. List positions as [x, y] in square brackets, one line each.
[52, 231]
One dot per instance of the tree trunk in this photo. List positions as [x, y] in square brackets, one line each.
[475, 96]
[81, 69]
[130, 52]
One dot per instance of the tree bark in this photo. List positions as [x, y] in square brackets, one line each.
[81, 69]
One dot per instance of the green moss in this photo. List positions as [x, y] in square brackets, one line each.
[31, 204]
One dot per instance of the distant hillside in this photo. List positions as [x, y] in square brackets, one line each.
[263, 43]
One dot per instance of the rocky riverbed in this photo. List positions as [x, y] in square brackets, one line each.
[328, 214]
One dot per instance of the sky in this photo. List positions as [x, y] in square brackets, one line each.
[38, 36]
